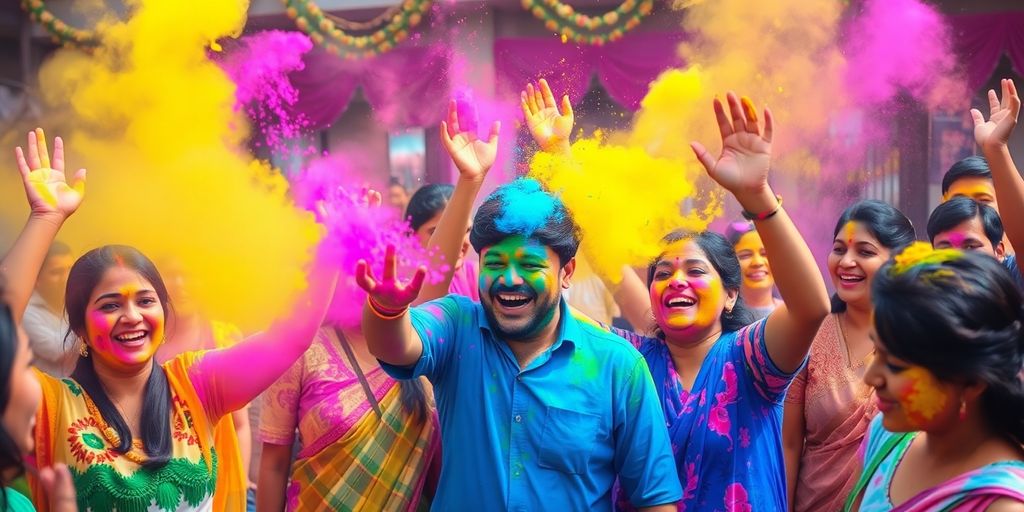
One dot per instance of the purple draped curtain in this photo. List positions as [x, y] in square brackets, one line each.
[982, 39]
[406, 87]
[626, 67]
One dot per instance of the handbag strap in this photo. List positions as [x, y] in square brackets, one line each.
[872, 465]
[359, 372]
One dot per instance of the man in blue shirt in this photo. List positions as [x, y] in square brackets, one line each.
[539, 411]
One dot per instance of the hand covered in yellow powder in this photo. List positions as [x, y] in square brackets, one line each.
[46, 187]
[472, 156]
[742, 168]
[1002, 117]
[550, 128]
[389, 295]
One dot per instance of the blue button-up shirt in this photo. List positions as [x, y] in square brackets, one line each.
[553, 436]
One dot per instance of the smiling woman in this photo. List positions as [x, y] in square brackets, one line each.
[136, 435]
[828, 407]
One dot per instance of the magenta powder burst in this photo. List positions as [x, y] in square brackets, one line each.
[356, 232]
[259, 65]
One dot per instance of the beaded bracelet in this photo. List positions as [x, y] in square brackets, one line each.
[766, 215]
[378, 310]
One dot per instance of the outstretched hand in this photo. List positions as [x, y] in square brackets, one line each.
[1002, 117]
[389, 293]
[46, 186]
[550, 128]
[742, 168]
[472, 156]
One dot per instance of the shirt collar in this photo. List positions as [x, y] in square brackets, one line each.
[568, 328]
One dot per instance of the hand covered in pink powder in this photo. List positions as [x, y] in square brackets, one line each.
[47, 188]
[389, 293]
[473, 157]
[550, 128]
[742, 168]
[1002, 117]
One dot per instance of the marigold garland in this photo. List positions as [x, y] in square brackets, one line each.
[60, 32]
[595, 30]
[324, 31]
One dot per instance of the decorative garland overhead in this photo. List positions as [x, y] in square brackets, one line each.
[60, 32]
[324, 31]
[596, 30]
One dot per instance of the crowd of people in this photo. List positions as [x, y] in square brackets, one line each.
[739, 385]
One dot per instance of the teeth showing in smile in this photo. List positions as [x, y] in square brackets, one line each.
[130, 336]
[851, 279]
[680, 302]
[513, 300]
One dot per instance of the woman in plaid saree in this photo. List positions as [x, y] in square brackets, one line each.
[355, 453]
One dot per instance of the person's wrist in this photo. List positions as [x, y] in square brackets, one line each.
[757, 201]
[56, 218]
[994, 147]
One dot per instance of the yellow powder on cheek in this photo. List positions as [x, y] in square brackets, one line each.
[709, 293]
[923, 398]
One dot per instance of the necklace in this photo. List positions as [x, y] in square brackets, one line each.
[111, 435]
[846, 343]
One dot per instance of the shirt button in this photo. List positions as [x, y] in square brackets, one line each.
[519, 378]
[518, 418]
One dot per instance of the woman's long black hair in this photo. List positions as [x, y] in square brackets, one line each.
[962, 318]
[10, 454]
[155, 422]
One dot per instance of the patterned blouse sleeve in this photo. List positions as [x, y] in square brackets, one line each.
[633, 338]
[279, 415]
[770, 381]
[797, 389]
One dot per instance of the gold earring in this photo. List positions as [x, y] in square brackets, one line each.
[83, 350]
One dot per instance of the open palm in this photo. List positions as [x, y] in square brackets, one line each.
[472, 156]
[46, 186]
[1002, 116]
[548, 127]
[389, 292]
[746, 153]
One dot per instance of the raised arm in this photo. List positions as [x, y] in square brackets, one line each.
[386, 324]
[742, 169]
[549, 127]
[992, 137]
[52, 199]
[473, 158]
[226, 379]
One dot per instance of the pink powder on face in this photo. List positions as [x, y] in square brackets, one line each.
[356, 232]
[956, 239]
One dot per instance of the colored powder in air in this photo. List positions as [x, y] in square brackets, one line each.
[623, 200]
[901, 45]
[356, 232]
[153, 119]
[526, 207]
[259, 64]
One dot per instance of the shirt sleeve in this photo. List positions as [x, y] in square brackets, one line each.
[48, 342]
[1011, 264]
[643, 455]
[279, 414]
[437, 324]
[769, 380]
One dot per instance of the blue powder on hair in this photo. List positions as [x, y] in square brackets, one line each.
[526, 207]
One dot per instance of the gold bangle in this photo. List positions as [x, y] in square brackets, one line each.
[376, 309]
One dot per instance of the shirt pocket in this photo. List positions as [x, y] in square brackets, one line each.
[567, 440]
